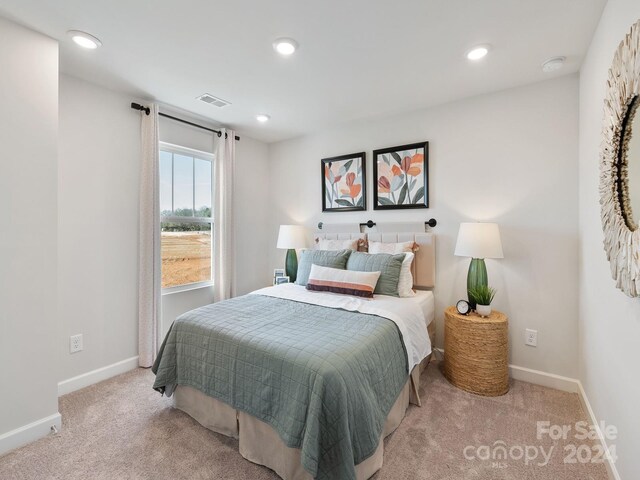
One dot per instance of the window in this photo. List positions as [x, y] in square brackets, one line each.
[186, 222]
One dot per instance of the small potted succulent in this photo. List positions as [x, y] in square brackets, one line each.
[483, 295]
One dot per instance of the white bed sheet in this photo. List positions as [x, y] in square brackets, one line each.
[407, 313]
[427, 303]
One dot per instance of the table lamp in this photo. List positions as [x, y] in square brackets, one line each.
[478, 241]
[292, 237]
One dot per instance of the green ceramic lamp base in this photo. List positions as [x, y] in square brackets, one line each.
[476, 277]
[291, 264]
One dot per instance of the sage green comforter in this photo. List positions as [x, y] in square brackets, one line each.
[324, 379]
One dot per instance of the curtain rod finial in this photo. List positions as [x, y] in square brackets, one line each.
[137, 106]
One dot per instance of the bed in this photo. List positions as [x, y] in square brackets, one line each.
[310, 383]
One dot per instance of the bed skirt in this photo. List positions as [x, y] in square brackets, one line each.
[261, 444]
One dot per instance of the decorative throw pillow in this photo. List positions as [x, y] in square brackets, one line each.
[324, 258]
[405, 283]
[324, 244]
[389, 267]
[393, 248]
[325, 279]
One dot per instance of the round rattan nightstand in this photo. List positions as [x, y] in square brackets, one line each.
[476, 352]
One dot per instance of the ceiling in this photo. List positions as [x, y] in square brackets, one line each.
[357, 58]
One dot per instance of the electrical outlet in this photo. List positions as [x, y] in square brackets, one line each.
[531, 337]
[75, 343]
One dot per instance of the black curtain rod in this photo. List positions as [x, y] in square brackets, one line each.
[370, 224]
[147, 110]
[429, 223]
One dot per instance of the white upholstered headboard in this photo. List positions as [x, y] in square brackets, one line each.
[424, 264]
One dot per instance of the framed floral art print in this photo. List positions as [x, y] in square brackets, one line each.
[401, 177]
[343, 183]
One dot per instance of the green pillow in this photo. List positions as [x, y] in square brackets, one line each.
[322, 258]
[388, 265]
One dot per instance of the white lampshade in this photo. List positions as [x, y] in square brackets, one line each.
[292, 236]
[479, 240]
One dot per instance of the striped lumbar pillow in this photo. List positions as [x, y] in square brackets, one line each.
[326, 279]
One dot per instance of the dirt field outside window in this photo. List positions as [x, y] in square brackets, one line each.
[186, 258]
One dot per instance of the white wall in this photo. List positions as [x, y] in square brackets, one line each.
[509, 157]
[609, 321]
[28, 129]
[99, 149]
[252, 214]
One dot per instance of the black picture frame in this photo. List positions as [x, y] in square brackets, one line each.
[353, 178]
[407, 188]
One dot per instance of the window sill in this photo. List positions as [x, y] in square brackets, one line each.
[186, 288]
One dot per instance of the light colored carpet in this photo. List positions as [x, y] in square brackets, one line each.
[122, 429]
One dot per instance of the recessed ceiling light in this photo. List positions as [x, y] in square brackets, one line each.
[553, 64]
[285, 46]
[478, 52]
[263, 117]
[84, 39]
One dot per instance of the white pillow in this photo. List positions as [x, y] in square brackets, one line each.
[335, 280]
[392, 248]
[405, 283]
[324, 244]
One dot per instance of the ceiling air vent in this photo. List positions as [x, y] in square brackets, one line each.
[211, 100]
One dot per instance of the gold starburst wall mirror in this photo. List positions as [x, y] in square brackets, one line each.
[620, 165]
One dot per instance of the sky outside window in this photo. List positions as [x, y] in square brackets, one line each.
[188, 179]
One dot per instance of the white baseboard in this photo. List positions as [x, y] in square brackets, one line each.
[545, 379]
[29, 433]
[611, 466]
[95, 376]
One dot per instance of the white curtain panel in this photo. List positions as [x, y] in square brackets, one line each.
[150, 276]
[223, 229]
